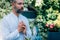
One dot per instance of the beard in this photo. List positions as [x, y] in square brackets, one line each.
[18, 10]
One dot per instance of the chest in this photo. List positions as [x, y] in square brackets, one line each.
[13, 23]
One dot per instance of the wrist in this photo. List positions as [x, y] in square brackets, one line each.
[24, 32]
[19, 31]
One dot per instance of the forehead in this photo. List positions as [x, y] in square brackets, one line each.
[19, 1]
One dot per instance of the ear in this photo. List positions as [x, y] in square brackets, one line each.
[13, 4]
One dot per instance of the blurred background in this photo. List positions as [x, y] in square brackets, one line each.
[47, 15]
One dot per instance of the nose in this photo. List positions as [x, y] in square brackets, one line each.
[21, 4]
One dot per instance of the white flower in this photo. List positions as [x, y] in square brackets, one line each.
[38, 2]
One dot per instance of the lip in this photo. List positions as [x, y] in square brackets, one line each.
[19, 11]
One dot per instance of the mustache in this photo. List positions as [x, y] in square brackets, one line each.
[18, 10]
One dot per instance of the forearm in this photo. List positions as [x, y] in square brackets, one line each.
[28, 34]
[12, 35]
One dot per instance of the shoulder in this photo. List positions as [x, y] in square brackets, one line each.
[5, 18]
[25, 18]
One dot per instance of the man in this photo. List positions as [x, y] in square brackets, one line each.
[15, 26]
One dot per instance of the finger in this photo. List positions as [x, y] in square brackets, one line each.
[24, 31]
[21, 23]
[23, 27]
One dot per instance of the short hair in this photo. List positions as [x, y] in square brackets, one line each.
[11, 1]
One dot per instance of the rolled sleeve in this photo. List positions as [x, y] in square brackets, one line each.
[12, 35]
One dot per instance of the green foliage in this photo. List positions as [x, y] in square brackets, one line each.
[5, 7]
[48, 11]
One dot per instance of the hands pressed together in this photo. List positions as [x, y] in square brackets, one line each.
[22, 27]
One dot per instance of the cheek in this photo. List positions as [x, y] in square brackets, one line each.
[19, 6]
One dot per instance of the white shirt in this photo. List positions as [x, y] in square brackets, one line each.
[9, 27]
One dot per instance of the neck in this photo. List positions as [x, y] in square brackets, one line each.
[15, 13]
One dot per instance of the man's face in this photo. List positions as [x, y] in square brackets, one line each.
[18, 5]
